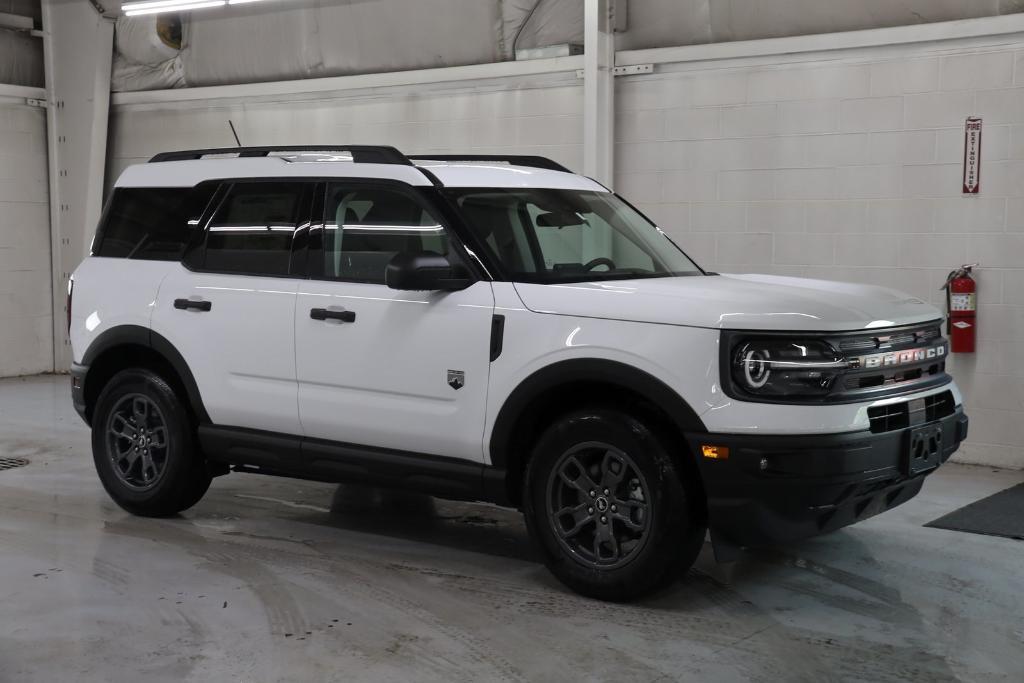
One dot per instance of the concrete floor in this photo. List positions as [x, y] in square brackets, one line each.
[278, 580]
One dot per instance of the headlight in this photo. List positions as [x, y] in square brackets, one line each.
[784, 368]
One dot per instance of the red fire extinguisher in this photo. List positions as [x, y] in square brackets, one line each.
[961, 308]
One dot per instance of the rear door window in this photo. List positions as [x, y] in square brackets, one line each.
[151, 223]
[253, 229]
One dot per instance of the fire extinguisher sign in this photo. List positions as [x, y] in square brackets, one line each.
[972, 155]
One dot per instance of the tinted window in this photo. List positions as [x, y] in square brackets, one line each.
[252, 230]
[365, 227]
[152, 223]
[543, 235]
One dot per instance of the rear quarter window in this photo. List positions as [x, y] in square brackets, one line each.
[151, 223]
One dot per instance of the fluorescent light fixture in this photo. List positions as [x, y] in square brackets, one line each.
[169, 4]
[134, 9]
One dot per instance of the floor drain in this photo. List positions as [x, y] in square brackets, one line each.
[11, 463]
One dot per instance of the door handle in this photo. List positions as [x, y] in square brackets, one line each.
[192, 304]
[328, 314]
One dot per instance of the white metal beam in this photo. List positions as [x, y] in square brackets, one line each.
[77, 52]
[598, 91]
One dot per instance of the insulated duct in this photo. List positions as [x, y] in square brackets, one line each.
[148, 53]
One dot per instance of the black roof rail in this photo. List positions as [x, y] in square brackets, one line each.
[363, 154]
[516, 159]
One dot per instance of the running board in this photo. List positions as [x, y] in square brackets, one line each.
[252, 450]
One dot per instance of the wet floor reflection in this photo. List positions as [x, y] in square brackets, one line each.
[418, 517]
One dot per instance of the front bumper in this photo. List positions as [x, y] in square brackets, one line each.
[777, 488]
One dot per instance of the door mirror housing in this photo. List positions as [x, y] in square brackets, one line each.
[425, 271]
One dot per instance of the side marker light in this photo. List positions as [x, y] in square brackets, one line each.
[715, 452]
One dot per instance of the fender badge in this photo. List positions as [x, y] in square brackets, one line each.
[456, 379]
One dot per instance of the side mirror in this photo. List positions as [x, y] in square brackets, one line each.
[425, 271]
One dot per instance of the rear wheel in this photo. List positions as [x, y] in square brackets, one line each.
[607, 504]
[143, 444]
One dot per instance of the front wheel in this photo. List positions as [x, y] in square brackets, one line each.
[143, 445]
[613, 515]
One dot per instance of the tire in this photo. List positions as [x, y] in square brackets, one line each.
[654, 518]
[155, 478]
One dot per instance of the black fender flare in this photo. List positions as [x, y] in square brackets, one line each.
[609, 372]
[142, 336]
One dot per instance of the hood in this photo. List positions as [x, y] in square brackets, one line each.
[736, 302]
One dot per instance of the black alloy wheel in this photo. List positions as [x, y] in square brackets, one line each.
[614, 503]
[137, 442]
[144, 445]
[597, 505]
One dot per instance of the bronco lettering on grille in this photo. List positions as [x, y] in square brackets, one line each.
[884, 360]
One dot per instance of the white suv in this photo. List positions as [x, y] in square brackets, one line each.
[498, 329]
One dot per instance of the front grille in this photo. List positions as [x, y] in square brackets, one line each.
[889, 417]
[895, 416]
[866, 344]
[882, 377]
[883, 342]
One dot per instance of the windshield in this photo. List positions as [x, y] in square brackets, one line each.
[569, 235]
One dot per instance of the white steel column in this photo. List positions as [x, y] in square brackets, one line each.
[598, 91]
[77, 51]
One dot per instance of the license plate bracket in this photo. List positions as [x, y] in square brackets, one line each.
[924, 449]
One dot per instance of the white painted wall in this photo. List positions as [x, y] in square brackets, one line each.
[26, 338]
[847, 166]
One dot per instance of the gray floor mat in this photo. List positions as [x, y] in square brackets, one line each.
[1001, 514]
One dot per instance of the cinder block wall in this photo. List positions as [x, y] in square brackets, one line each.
[543, 117]
[847, 166]
[26, 327]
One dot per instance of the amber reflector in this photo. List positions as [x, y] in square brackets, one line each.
[715, 452]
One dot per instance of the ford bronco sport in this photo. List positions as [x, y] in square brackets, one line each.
[491, 328]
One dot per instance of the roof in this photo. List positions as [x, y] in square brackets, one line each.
[472, 171]
[496, 174]
[189, 173]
